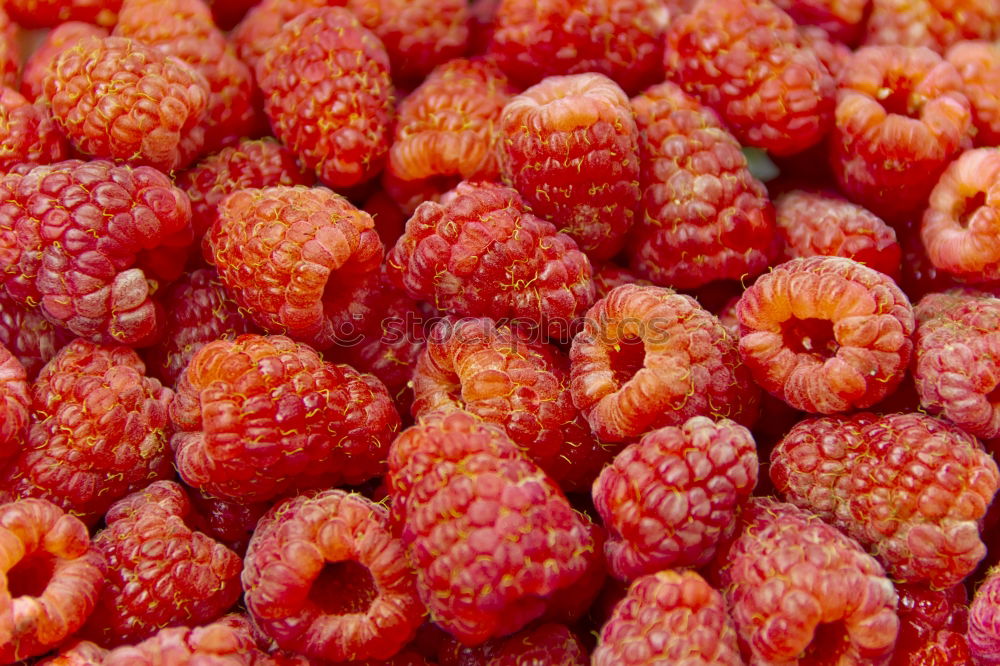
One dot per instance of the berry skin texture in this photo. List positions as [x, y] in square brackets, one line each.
[51, 574]
[935, 24]
[648, 358]
[119, 99]
[228, 522]
[826, 334]
[216, 644]
[56, 40]
[284, 252]
[492, 538]
[160, 572]
[961, 226]
[670, 617]
[51, 13]
[801, 592]
[328, 95]
[32, 338]
[670, 499]
[984, 621]
[260, 415]
[978, 63]
[703, 216]
[932, 626]
[547, 644]
[902, 116]
[325, 577]
[91, 242]
[911, 488]
[569, 146]
[842, 20]
[16, 403]
[76, 653]
[745, 59]
[27, 133]
[99, 432]
[957, 360]
[480, 253]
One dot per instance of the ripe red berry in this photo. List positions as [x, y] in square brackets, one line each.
[546, 644]
[76, 653]
[15, 403]
[10, 60]
[32, 338]
[58, 38]
[978, 63]
[842, 20]
[27, 133]
[219, 643]
[984, 623]
[51, 13]
[228, 522]
[932, 626]
[936, 24]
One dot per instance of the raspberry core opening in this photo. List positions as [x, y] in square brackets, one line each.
[810, 336]
[343, 587]
[896, 100]
[830, 641]
[626, 358]
[30, 576]
[967, 208]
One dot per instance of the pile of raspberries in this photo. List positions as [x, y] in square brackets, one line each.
[499, 332]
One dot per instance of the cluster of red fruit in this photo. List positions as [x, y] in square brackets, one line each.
[437, 332]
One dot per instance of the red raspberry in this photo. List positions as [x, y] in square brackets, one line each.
[32, 338]
[56, 40]
[285, 253]
[254, 34]
[932, 626]
[390, 219]
[648, 358]
[325, 577]
[91, 243]
[919, 276]
[216, 644]
[622, 39]
[447, 131]
[76, 653]
[607, 276]
[833, 54]
[185, 29]
[671, 498]
[909, 487]
[670, 617]
[826, 334]
[16, 403]
[745, 59]
[328, 95]
[978, 63]
[160, 572]
[802, 592]
[957, 360]
[901, 117]
[814, 222]
[99, 431]
[936, 24]
[842, 20]
[961, 226]
[703, 215]
[10, 60]
[119, 99]
[50, 13]
[450, 477]
[984, 622]
[51, 573]
[569, 145]
[480, 253]
[505, 378]
[228, 522]
[546, 644]
[27, 133]
[260, 415]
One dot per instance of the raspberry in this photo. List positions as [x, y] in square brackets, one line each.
[99, 431]
[546, 644]
[447, 131]
[480, 253]
[228, 522]
[51, 13]
[390, 219]
[842, 20]
[56, 40]
[9, 56]
[325, 577]
[450, 477]
[29, 336]
[824, 223]
[901, 117]
[328, 95]
[745, 59]
[622, 39]
[51, 577]
[260, 415]
[523, 386]
[932, 626]
[216, 644]
[90, 242]
[285, 253]
[936, 24]
[826, 334]
[649, 358]
[668, 617]
[27, 133]
[957, 360]
[77, 653]
[961, 226]
[198, 311]
[185, 29]
[669, 499]
[984, 623]
[802, 592]
[704, 216]
[909, 487]
[16, 403]
[978, 63]
[919, 276]
[160, 572]
[119, 99]
[833, 54]
[607, 276]
[227, 13]
[569, 145]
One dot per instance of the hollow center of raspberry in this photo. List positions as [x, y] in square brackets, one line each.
[993, 397]
[968, 208]
[897, 100]
[627, 356]
[830, 640]
[30, 576]
[343, 588]
[810, 336]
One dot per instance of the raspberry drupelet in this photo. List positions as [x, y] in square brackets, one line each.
[56, 40]
[228, 522]
[826, 334]
[911, 488]
[978, 63]
[15, 403]
[648, 357]
[260, 415]
[984, 621]
[216, 644]
[51, 577]
[325, 577]
[569, 146]
[27, 133]
[935, 24]
[702, 216]
[549, 643]
[607, 276]
[668, 617]
[285, 253]
[76, 653]
[932, 626]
